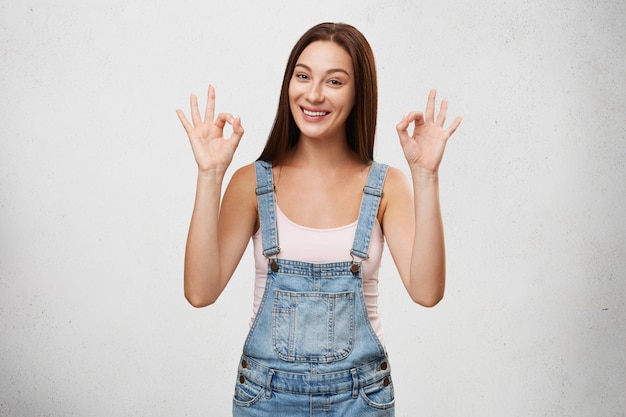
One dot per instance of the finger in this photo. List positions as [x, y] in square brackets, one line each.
[401, 128]
[441, 117]
[430, 106]
[403, 124]
[195, 113]
[223, 118]
[210, 104]
[415, 116]
[238, 132]
[186, 125]
[454, 125]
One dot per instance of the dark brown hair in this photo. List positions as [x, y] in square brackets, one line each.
[361, 123]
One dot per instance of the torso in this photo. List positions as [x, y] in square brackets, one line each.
[320, 228]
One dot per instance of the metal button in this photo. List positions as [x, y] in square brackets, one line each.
[382, 366]
[354, 269]
[244, 364]
[386, 381]
[274, 266]
[242, 379]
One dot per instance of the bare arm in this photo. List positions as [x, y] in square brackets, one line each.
[214, 244]
[412, 220]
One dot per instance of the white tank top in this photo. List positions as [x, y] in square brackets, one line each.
[305, 244]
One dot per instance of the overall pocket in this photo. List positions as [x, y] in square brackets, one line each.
[247, 393]
[379, 395]
[313, 326]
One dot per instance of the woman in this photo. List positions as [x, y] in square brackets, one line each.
[318, 210]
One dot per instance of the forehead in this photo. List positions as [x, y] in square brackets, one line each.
[325, 55]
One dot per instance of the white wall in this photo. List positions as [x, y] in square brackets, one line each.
[97, 182]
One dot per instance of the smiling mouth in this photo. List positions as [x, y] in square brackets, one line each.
[314, 113]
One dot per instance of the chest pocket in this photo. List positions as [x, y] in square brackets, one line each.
[313, 327]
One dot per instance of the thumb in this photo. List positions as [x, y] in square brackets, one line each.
[401, 128]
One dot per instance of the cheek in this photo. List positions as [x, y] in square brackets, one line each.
[292, 90]
[346, 98]
[290, 96]
[292, 100]
[348, 101]
[352, 98]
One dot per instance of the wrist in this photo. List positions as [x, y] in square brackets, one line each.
[211, 175]
[420, 173]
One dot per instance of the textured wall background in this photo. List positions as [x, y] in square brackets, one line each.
[97, 182]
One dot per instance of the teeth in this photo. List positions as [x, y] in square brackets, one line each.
[314, 113]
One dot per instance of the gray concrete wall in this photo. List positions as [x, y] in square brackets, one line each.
[97, 182]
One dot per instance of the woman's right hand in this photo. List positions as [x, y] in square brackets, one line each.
[212, 151]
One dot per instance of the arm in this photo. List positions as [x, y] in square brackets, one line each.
[215, 243]
[412, 220]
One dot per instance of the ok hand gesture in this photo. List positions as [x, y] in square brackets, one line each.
[211, 149]
[424, 148]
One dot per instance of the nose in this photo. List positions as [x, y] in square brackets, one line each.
[314, 94]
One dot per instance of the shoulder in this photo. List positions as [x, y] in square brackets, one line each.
[395, 182]
[243, 178]
[242, 185]
[240, 196]
[397, 192]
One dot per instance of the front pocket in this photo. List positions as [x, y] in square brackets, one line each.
[313, 326]
[379, 395]
[247, 393]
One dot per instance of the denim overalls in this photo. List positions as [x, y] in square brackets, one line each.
[311, 350]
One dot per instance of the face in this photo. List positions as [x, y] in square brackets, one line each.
[321, 90]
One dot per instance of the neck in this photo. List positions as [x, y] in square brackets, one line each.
[323, 153]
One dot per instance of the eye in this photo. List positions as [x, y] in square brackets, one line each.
[335, 82]
[301, 76]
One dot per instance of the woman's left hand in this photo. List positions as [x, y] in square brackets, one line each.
[424, 148]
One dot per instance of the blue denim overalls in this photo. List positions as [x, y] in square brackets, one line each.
[311, 350]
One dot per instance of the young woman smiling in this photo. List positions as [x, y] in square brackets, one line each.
[318, 210]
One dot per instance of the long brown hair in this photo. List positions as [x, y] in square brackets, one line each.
[361, 123]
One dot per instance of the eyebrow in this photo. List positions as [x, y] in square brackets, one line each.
[330, 71]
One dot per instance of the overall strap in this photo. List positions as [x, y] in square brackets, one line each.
[372, 193]
[267, 207]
